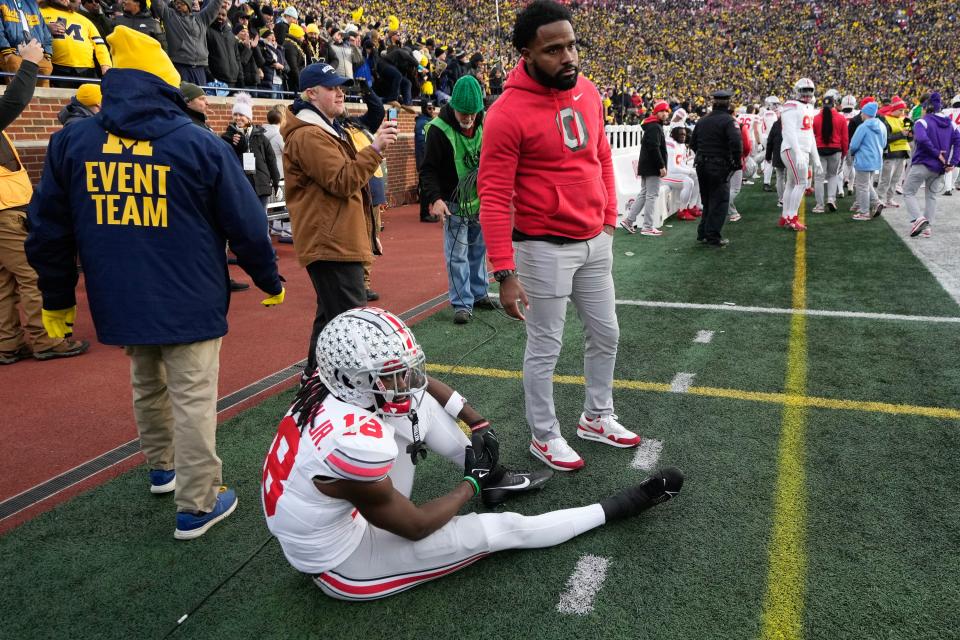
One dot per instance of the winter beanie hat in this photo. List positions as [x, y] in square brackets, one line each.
[243, 105]
[89, 95]
[871, 109]
[190, 91]
[134, 50]
[467, 95]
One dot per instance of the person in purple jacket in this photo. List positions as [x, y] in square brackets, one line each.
[937, 152]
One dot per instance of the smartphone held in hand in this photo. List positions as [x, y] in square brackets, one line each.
[392, 114]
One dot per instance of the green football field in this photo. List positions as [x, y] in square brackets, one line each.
[819, 450]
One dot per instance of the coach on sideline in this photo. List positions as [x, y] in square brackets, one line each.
[545, 142]
[148, 201]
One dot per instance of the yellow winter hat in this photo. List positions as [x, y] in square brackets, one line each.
[311, 28]
[296, 31]
[134, 50]
[89, 95]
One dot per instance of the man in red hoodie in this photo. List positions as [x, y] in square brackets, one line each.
[545, 155]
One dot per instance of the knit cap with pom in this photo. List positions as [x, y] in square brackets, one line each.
[243, 105]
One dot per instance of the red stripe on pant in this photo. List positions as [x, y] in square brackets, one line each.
[390, 585]
[792, 167]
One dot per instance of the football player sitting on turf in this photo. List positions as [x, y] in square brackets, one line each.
[337, 478]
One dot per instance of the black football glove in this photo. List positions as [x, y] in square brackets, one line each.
[481, 459]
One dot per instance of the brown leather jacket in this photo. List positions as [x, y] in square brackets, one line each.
[326, 191]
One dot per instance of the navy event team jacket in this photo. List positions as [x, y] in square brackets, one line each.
[148, 200]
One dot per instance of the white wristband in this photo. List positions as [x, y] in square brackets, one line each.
[455, 405]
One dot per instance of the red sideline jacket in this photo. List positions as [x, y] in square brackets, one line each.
[545, 156]
[841, 137]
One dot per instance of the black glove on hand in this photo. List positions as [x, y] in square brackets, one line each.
[481, 459]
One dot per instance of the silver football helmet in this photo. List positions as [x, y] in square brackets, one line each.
[848, 102]
[771, 102]
[832, 93]
[803, 90]
[369, 358]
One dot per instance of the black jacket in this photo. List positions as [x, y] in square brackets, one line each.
[73, 111]
[224, 60]
[296, 61]
[438, 172]
[774, 141]
[653, 149]
[251, 59]
[266, 179]
[717, 142]
[145, 23]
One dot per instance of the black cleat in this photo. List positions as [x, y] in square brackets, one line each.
[513, 483]
[659, 487]
[767, 187]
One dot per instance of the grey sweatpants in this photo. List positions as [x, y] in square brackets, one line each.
[552, 273]
[646, 201]
[890, 179]
[828, 177]
[919, 175]
[866, 195]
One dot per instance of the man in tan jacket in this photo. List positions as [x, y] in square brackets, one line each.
[327, 195]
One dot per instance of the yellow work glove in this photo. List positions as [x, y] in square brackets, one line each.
[59, 324]
[273, 301]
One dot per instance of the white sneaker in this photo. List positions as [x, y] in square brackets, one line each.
[556, 454]
[818, 208]
[607, 430]
[734, 217]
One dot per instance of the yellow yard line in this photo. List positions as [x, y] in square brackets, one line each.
[787, 571]
[800, 400]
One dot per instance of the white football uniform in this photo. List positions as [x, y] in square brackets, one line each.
[797, 152]
[351, 559]
[767, 119]
[680, 177]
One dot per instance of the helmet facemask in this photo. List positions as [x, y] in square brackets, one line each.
[398, 385]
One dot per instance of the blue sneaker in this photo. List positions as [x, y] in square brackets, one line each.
[191, 526]
[162, 481]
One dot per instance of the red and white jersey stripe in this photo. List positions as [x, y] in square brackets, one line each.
[342, 442]
[338, 586]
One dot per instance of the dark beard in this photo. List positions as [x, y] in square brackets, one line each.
[553, 82]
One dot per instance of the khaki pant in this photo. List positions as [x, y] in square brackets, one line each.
[175, 406]
[11, 64]
[18, 282]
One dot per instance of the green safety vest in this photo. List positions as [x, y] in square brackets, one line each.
[466, 157]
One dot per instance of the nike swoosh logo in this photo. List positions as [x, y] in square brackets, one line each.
[599, 431]
[481, 474]
[513, 487]
[577, 97]
[543, 448]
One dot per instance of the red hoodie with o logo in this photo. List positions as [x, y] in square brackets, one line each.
[546, 159]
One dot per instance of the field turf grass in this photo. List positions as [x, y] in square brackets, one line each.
[797, 520]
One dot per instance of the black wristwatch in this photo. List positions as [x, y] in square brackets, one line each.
[503, 274]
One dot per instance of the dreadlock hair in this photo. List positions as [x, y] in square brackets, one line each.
[537, 14]
[307, 404]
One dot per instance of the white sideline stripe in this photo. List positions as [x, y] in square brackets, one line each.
[681, 382]
[864, 315]
[703, 337]
[647, 455]
[583, 585]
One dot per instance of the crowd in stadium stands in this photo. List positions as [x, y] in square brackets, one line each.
[636, 52]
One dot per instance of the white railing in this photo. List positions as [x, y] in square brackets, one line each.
[624, 136]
